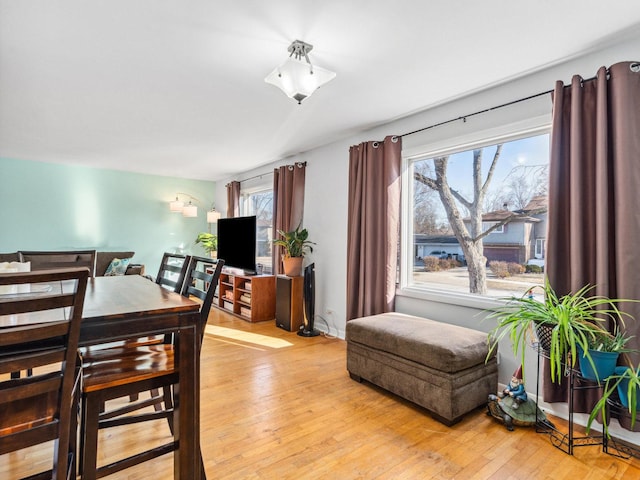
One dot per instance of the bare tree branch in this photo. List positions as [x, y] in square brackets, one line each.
[429, 182]
[492, 168]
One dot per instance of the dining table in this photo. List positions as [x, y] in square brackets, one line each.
[131, 306]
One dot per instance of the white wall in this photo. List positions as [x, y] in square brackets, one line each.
[327, 180]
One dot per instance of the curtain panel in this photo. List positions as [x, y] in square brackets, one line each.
[233, 199]
[594, 206]
[373, 226]
[288, 204]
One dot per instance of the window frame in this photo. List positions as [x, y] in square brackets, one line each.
[245, 193]
[474, 139]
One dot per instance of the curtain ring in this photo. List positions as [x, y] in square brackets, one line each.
[290, 167]
[394, 139]
[376, 144]
[634, 67]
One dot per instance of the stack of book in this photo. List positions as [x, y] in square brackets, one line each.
[245, 312]
[246, 298]
[229, 294]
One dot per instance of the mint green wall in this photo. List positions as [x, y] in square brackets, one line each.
[47, 206]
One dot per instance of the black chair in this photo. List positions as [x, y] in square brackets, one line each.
[171, 273]
[43, 406]
[129, 369]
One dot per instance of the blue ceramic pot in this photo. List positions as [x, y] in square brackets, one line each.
[623, 387]
[605, 363]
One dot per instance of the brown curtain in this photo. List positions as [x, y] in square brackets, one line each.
[288, 203]
[373, 226]
[594, 204]
[233, 199]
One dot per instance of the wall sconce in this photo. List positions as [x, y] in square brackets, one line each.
[298, 79]
[213, 215]
[176, 206]
[188, 210]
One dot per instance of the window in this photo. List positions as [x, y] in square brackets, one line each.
[497, 228]
[540, 248]
[260, 204]
[483, 200]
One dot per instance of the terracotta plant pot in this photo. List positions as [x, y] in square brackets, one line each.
[292, 266]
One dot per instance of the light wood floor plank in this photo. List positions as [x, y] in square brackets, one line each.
[279, 406]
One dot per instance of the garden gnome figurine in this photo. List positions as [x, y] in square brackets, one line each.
[515, 389]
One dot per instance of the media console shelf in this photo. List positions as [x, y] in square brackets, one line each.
[252, 297]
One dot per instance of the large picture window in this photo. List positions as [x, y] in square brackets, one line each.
[260, 204]
[477, 216]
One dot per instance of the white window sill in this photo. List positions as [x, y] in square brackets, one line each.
[450, 297]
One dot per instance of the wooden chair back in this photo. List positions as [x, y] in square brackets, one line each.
[61, 259]
[172, 271]
[201, 281]
[42, 407]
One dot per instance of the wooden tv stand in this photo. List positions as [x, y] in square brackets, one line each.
[251, 297]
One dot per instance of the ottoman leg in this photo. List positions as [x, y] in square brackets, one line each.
[355, 377]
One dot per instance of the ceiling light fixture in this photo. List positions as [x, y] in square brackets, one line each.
[295, 77]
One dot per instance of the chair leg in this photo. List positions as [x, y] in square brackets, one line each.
[167, 393]
[89, 438]
[156, 406]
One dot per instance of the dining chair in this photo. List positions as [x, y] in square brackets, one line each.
[41, 260]
[133, 368]
[41, 332]
[172, 271]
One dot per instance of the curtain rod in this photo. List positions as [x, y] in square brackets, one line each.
[251, 178]
[266, 173]
[464, 117]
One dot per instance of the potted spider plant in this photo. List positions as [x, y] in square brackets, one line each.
[295, 244]
[563, 324]
[604, 350]
[623, 387]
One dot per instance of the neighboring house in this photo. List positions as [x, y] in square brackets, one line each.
[442, 246]
[538, 209]
[520, 240]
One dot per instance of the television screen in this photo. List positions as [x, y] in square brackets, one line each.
[237, 242]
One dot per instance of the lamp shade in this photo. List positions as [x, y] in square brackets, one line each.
[176, 205]
[190, 210]
[213, 216]
[298, 79]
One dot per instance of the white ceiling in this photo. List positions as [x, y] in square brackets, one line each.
[176, 87]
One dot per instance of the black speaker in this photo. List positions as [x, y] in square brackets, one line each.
[309, 290]
[289, 302]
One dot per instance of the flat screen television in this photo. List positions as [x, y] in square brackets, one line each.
[237, 243]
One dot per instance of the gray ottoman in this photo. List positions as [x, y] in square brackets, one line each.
[438, 366]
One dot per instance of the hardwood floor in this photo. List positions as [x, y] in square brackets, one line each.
[279, 406]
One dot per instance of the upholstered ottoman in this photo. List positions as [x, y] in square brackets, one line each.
[438, 366]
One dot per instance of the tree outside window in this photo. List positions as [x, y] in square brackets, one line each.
[483, 211]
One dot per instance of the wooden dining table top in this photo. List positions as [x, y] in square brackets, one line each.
[130, 296]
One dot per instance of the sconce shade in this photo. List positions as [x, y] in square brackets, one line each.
[190, 210]
[213, 216]
[176, 205]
